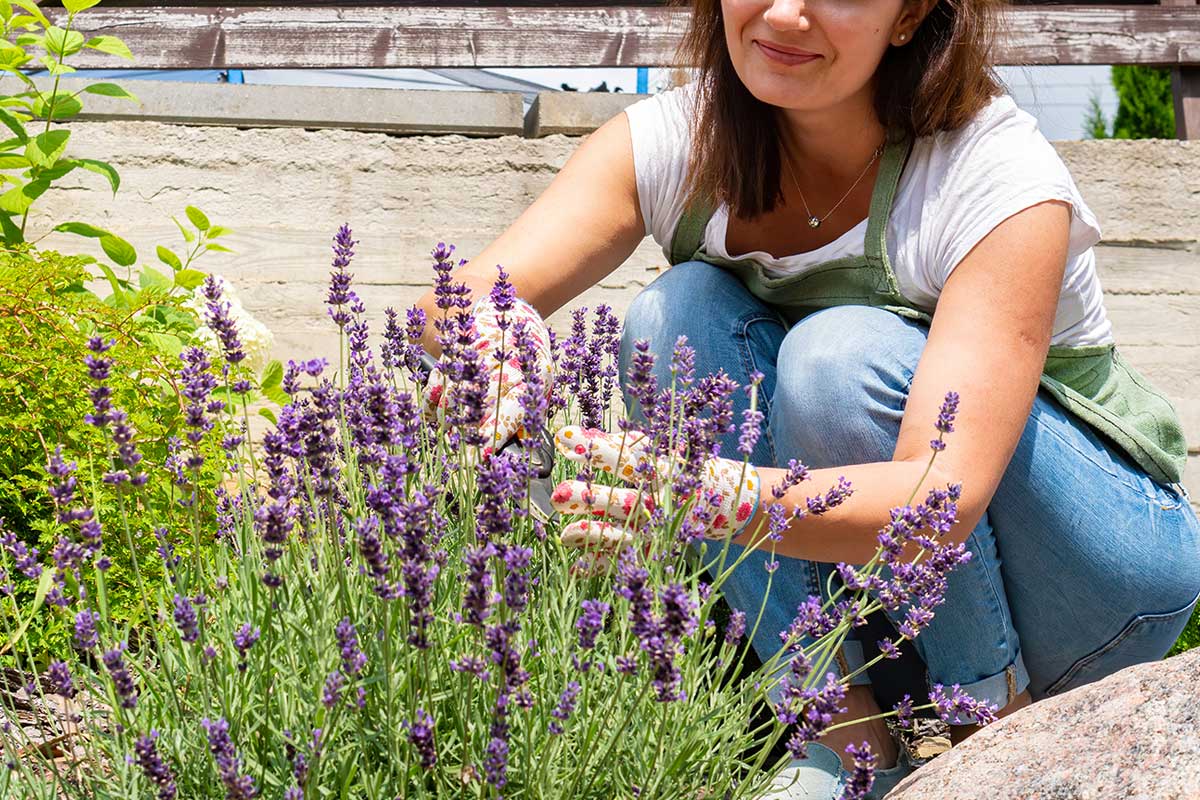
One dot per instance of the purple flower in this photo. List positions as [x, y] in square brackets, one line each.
[24, 558]
[420, 736]
[220, 322]
[237, 786]
[888, 648]
[122, 678]
[495, 763]
[736, 628]
[340, 294]
[244, 638]
[590, 622]
[155, 770]
[818, 707]
[85, 630]
[353, 658]
[332, 692]
[945, 420]
[834, 497]
[185, 619]
[477, 598]
[566, 706]
[904, 712]
[796, 472]
[60, 679]
[862, 776]
[959, 708]
[197, 383]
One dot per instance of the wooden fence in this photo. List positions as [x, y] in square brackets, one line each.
[192, 34]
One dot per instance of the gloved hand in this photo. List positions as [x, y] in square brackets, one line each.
[609, 507]
[502, 418]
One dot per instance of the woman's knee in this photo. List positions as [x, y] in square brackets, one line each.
[685, 298]
[843, 380]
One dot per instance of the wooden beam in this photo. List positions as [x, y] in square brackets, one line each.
[1185, 86]
[624, 36]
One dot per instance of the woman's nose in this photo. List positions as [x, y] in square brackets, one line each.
[789, 15]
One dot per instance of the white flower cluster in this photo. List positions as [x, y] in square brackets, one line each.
[256, 338]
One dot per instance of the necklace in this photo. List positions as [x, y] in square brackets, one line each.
[813, 220]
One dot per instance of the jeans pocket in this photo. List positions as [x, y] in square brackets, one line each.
[1147, 637]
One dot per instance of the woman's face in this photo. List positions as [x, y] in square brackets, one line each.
[832, 47]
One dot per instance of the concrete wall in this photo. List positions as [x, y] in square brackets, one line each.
[285, 191]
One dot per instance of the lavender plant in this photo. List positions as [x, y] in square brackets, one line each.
[388, 618]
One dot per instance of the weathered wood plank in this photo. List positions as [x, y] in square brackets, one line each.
[394, 36]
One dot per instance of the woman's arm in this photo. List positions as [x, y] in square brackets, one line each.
[988, 342]
[582, 227]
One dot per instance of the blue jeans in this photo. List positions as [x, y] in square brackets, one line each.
[1082, 564]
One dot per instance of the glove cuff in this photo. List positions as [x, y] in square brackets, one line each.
[751, 470]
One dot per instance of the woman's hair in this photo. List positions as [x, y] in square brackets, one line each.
[937, 82]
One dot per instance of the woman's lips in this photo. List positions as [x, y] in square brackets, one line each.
[780, 56]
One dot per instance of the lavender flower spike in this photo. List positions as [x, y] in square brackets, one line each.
[237, 786]
[155, 770]
[862, 777]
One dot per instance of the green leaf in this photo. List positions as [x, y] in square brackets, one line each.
[189, 278]
[47, 148]
[269, 414]
[14, 125]
[272, 375]
[38, 598]
[165, 342]
[62, 42]
[277, 395]
[197, 218]
[220, 248]
[53, 66]
[75, 6]
[119, 250]
[118, 294]
[188, 236]
[102, 168]
[81, 229]
[12, 232]
[150, 278]
[111, 45]
[19, 199]
[169, 258]
[13, 161]
[32, 8]
[65, 106]
[218, 230]
[6, 9]
[110, 90]
[58, 170]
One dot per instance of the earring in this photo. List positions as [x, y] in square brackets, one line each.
[903, 36]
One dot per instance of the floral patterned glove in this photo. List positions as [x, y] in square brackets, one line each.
[506, 383]
[628, 456]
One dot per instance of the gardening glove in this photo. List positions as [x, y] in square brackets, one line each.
[506, 383]
[615, 510]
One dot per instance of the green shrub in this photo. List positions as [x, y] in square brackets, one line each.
[46, 317]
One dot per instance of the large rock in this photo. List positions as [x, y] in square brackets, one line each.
[1135, 734]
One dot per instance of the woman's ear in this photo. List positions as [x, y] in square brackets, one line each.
[911, 17]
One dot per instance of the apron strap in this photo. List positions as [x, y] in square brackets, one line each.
[689, 233]
[895, 153]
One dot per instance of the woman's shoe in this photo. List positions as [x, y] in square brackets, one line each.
[818, 777]
[822, 777]
[888, 779]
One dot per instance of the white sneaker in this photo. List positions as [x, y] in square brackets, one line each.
[818, 777]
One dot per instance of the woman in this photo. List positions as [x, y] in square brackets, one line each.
[901, 229]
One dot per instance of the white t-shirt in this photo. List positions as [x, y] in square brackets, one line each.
[956, 188]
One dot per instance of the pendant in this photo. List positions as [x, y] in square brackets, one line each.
[813, 222]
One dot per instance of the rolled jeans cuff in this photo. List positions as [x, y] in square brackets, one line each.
[996, 690]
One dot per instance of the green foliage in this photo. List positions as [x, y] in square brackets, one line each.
[1146, 109]
[47, 314]
[37, 154]
[1190, 638]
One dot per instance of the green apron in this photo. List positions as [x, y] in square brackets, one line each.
[1093, 382]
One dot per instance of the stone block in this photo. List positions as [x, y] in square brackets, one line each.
[574, 113]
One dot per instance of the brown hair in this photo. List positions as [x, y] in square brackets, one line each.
[937, 82]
